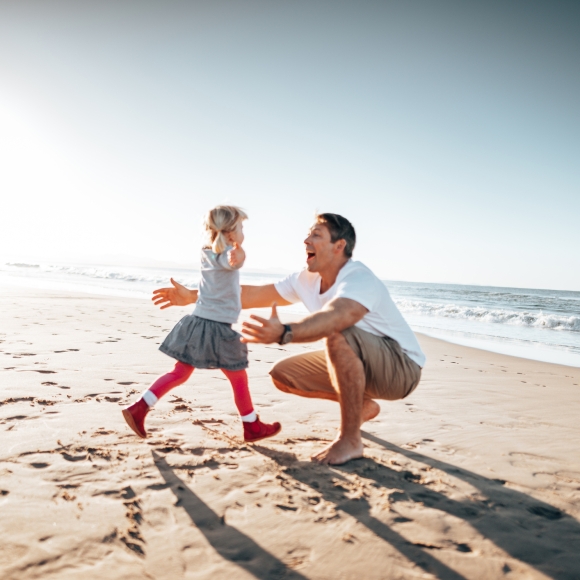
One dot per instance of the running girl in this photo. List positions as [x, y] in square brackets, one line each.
[205, 339]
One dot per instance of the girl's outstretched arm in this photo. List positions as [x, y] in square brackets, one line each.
[177, 296]
[252, 296]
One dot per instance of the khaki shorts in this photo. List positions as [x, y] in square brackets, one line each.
[390, 373]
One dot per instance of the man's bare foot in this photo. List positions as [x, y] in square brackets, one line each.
[339, 452]
[370, 410]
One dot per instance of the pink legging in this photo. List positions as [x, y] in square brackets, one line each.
[182, 372]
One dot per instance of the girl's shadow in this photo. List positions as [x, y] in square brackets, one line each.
[228, 542]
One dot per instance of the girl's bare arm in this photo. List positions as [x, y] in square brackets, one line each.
[178, 295]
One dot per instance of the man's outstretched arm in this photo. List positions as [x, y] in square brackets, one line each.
[252, 296]
[337, 315]
[261, 296]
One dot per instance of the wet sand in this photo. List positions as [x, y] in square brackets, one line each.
[475, 475]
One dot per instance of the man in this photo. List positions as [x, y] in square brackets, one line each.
[370, 351]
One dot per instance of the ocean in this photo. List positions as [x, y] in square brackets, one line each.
[530, 323]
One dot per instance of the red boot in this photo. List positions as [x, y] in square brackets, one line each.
[135, 417]
[257, 430]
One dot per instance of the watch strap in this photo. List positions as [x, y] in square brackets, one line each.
[287, 329]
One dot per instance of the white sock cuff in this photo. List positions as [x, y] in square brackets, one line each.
[149, 398]
[250, 417]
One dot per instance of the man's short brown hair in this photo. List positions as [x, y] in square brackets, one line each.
[340, 229]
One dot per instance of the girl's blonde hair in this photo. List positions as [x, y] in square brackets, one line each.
[220, 221]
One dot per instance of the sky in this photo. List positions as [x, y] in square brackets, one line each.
[447, 132]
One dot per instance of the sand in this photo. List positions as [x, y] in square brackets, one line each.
[475, 475]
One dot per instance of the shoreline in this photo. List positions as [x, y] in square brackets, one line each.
[528, 348]
[475, 475]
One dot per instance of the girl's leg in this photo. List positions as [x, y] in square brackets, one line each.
[165, 383]
[254, 429]
[242, 397]
[135, 414]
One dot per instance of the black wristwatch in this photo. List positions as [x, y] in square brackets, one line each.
[287, 335]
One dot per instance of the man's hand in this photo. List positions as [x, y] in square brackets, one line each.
[236, 256]
[338, 314]
[177, 296]
[268, 331]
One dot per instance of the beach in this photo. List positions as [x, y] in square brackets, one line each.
[475, 475]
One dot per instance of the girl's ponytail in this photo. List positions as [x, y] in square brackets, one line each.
[220, 243]
[219, 222]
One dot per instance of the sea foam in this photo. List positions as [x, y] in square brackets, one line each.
[496, 316]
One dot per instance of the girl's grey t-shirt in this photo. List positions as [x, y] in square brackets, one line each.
[219, 296]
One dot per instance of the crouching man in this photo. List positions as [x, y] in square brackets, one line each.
[370, 350]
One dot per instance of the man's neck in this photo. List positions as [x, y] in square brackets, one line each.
[329, 275]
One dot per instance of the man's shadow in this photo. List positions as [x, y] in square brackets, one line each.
[551, 545]
[228, 542]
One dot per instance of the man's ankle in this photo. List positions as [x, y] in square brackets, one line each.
[351, 437]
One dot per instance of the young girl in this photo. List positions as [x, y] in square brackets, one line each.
[205, 339]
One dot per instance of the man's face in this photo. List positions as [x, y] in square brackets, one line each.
[320, 251]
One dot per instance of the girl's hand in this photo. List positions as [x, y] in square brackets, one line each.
[177, 296]
[236, 256]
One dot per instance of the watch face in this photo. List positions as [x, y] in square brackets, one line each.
[287, 336]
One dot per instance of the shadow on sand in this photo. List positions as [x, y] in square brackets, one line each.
[527, 529]
[228, 542]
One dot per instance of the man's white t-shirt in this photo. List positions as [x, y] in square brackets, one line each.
[356, 282]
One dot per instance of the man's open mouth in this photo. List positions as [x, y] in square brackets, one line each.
[309, 256]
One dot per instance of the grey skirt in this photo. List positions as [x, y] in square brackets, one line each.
[206, 344]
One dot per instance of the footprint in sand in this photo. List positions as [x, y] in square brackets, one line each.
[17, 418]
[158, 486]
[547, 512]
[70, 457]
[298, 557]
[124, 493]
[522, 459]
[113, 399]
[17, 400]
[101, 432]
[89, 397]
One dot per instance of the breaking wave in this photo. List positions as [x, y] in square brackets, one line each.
[537, 319]
[104, 273]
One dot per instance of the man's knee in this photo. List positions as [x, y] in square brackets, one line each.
[337, 345]
[335, 341]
